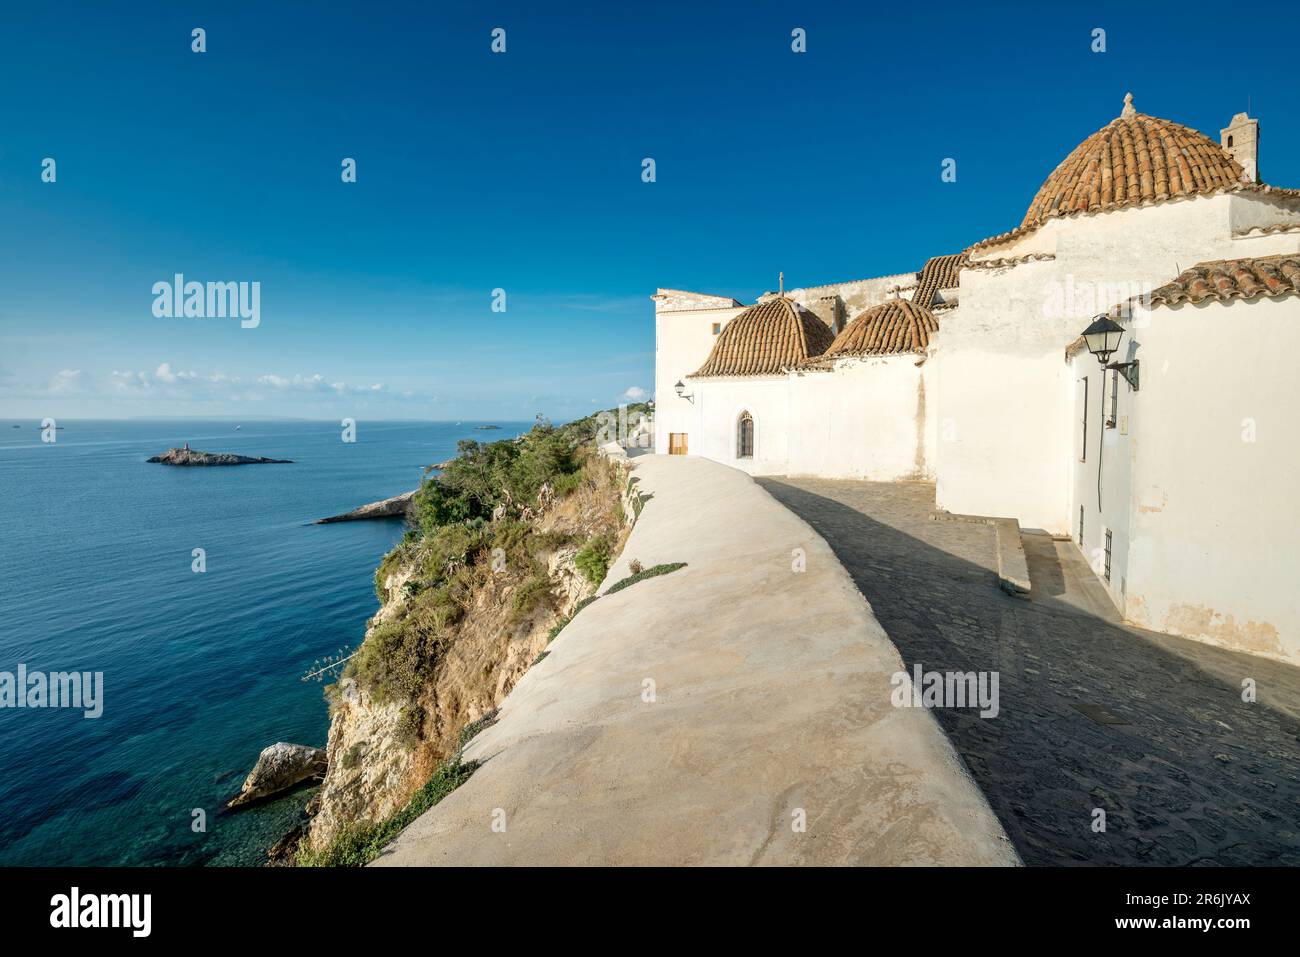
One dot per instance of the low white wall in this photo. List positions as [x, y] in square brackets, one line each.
[673, 722]
[865, 420]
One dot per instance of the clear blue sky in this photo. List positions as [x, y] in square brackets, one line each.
[523, 171]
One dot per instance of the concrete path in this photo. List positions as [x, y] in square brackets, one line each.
[1191, 775]
[699, 717]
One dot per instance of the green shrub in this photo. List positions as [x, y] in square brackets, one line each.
[450, 546]
[641, 576]
[536, 591]
[399, 555]
[468, 732]
[567, 483]
[395, 660]
[593, 559]
[351, 757]
[410, 726]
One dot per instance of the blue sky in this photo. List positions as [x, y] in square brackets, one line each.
[523, 171]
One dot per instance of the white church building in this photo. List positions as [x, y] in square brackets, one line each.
[1172, 463]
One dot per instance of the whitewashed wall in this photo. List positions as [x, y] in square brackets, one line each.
[1113, 449]
[719, 403]
[867, 419]
[1215, 464]
[1005, 397]
[683, 341]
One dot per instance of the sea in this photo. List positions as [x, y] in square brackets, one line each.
[202, 669]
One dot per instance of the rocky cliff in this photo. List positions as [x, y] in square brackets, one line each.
[458, 626]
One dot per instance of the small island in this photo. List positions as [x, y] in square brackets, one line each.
[189, 456]
[481, 427]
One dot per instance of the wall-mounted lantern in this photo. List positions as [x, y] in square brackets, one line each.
[680, 389]
[1103, 338]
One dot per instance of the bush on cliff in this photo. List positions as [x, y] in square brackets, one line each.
[593, 559]
[454, 539]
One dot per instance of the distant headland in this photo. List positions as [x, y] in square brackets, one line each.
[189, 456]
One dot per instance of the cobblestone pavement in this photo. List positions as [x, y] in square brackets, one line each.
[1193, 775]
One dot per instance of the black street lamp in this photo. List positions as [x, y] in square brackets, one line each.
[680, 389]
[1102, 338]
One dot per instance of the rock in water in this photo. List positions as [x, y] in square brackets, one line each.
[194, 457]
[278, 768]
[394, 507]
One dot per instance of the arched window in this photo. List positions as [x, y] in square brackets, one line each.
[745, 437]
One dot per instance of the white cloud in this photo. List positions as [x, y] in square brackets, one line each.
[164, 373]
[67, 380]
[168, 382]
[315, 383]
[635, 394]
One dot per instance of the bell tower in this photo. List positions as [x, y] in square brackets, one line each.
[1241, 140]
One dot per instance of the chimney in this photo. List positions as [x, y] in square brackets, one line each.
[1241, 140]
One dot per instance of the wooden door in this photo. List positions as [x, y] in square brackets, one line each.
[676, 443]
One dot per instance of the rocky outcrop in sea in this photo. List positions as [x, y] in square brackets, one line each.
[395, 507]
[194, 457]
[279, 768]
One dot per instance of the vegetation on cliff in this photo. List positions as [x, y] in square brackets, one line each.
[475, 520]
[485, 574]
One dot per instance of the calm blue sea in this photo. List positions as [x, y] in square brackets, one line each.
[201, 671]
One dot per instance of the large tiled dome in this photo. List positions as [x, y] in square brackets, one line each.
[1133, 159]
[891, 327]
[767, 339]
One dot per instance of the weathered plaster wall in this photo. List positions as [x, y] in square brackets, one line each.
[1214, 504]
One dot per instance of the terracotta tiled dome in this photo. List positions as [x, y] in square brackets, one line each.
[767, 339]
[1133, 159]
[892, 327]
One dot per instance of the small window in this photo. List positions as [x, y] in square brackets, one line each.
[745, 437]
[1229, 139]
[1107, 570]
[717, 327]
[1114, 399]
[1081, 526]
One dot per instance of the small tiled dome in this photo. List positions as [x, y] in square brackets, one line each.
[894, 326]
[1134, 159]
[767, 339]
